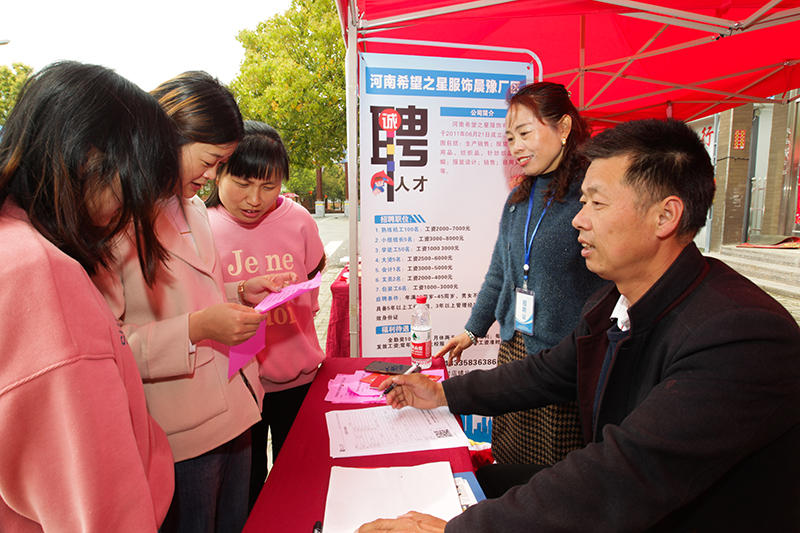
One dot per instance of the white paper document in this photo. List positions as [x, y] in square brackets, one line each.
[380, 430]
[360, 495]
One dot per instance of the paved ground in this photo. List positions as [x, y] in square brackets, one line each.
[334, 230]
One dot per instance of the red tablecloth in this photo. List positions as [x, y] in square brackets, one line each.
[293, 497]
[338, 338]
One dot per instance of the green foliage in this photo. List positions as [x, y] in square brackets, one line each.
[11, 81]
[292, 78]
[205, 190]
[301, 180]
[333, 182]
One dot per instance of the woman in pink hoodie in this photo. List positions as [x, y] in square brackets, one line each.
[83, 155]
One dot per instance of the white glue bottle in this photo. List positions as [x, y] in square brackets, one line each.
[421, 333]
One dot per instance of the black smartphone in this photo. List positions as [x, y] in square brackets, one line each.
[383, 367]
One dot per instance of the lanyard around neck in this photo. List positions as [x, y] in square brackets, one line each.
[529, 244]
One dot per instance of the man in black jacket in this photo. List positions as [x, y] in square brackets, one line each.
[687, 374]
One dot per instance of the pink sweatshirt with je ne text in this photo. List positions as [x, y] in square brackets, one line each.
[284, 240]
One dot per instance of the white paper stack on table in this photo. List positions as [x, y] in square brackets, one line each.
[360, 495]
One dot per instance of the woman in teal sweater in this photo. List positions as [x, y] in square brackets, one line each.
[544, 131]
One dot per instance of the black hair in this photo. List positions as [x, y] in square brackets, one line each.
[666, 158]
[260, 155]
[76, 130]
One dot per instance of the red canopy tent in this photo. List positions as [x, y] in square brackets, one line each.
[621, 60]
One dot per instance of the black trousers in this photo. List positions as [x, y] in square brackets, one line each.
[280, 410]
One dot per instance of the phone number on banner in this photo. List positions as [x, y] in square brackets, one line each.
[489, 361]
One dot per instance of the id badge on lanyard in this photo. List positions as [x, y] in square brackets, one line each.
[523, 314]
[525, 299]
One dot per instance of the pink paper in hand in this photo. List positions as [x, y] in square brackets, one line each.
[274, 299]
[242, 353]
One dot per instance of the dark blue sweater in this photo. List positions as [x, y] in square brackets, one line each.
[558, 274]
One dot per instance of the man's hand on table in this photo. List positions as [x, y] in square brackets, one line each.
[414, 390]
[412, 522]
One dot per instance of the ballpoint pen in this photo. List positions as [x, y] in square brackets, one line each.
[414, 368]
[317, 527]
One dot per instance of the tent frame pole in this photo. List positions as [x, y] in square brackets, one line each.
[351, 103]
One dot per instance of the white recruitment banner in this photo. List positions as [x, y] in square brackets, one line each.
[435, 173]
